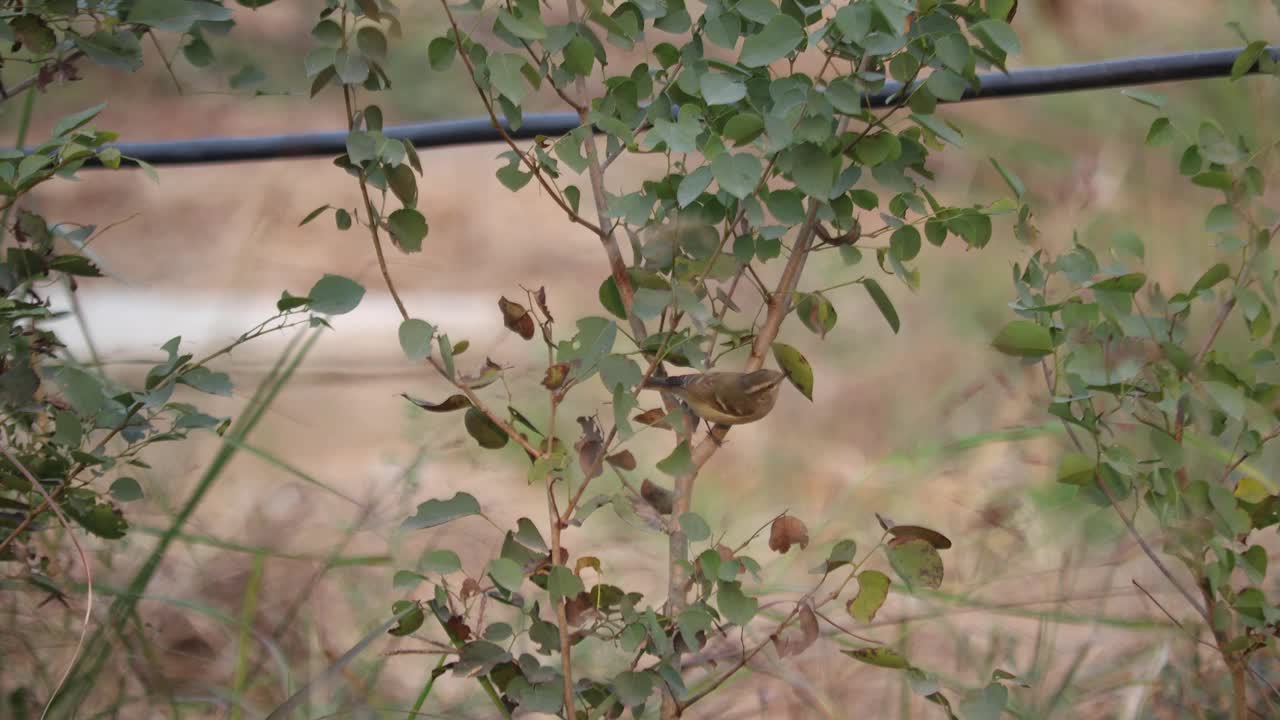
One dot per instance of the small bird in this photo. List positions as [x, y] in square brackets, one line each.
[726, 398]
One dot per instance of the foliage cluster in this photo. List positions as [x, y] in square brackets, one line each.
[776, 171]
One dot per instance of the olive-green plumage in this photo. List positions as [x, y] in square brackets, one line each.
[726, 398]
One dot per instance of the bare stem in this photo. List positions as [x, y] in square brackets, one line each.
[562, 619]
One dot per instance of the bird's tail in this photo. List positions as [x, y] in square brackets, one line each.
[665, 383]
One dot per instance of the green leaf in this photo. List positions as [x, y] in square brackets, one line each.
[814, 170]
[1149, 99]
[1211, 277]
[34, 33]
[408, 228]
[405, 580]
[440, 561]
[250, 76]
[119, 49]
[1076, 469]
[917, 562]
[314, 214]
[1254, 561]
[486, 432]
[882, 302]
[528, 26]
[75, 265]
[102, 520]
[695, 528]
[986, 704]
[415, 339]
[999, 33]
[1013, 181]
[372, 43]
[737, 174]
[873, 589]
[721, 89]
[75, 120]
[506, 573]
[335, 295]
[880, 657]
[842, 553]
[1227, 397]
[579, 56]
[206, 380]
[67, 429]
[126, 489]
[1161, 132]
[563, 583]
[438, 512]
[527, 535]
[83, 390]
[816, 313]
[854, 21]
[633, 688]
[1247, 59]
[776, 40]
[878, 148]
[440, 53]
[1023, 338]
[679, 462]
[1128, 283]
[736, 607]
[743, 128]
[796, 366]
[904, 243]
[506, 71]
[941, 128]
[1220, 219]
[691, 186]
[404, 185]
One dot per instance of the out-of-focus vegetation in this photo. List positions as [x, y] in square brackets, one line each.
[289, 560]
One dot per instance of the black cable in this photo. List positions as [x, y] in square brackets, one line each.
[1029, 81]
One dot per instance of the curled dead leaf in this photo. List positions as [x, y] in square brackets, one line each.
[587, 561]
[653, 418]
[579, 609]
[541, 298]
[623, 460]
[470, 587]
[903, 533]
[458, 628]
[658, 497]
[555, 376]
[516, 318]
[589, 448]
[787, 530]
[484, 377]
[797, 639]
[451, 403]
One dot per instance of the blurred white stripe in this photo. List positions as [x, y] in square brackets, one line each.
[130, 325]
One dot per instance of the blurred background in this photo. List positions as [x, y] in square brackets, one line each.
[927, 427]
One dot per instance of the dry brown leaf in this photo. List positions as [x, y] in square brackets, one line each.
[799, 638]
[787, 530]
[658, 497]
[622, 460]
[516, 318]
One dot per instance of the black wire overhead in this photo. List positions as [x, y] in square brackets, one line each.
[1143, 70]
